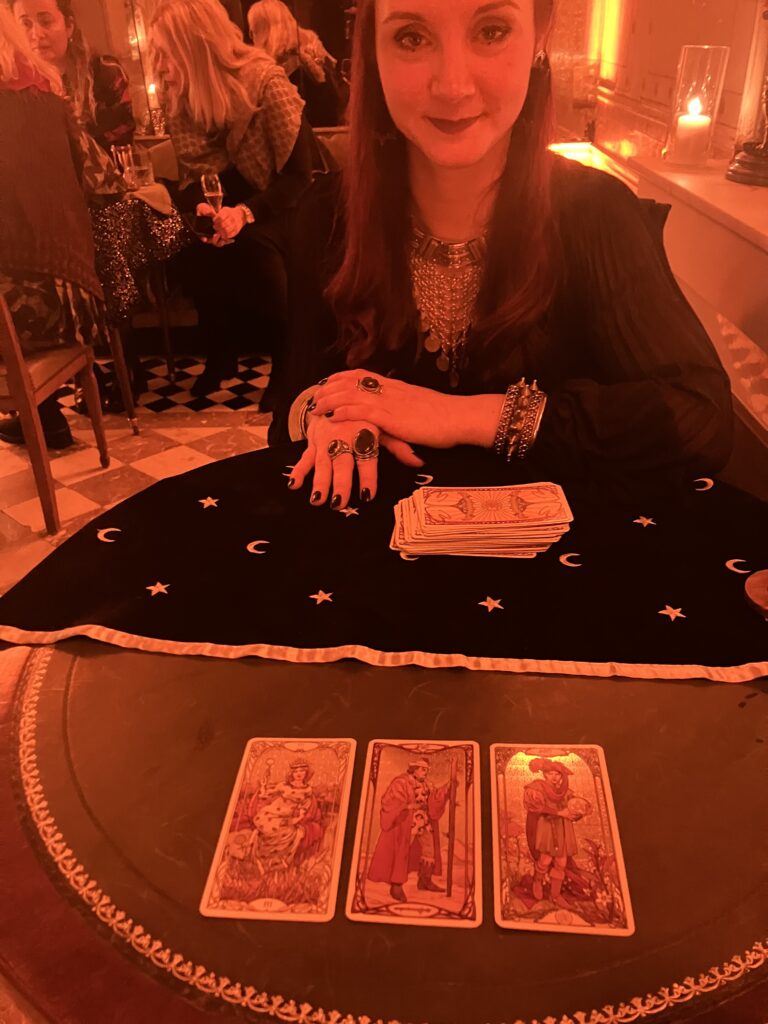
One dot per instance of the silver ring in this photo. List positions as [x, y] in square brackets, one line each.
[337, 448]
[370, 385]
[365, 446]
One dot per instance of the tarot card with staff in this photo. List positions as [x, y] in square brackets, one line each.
[417, 846]
[279, 853]
[557, 861]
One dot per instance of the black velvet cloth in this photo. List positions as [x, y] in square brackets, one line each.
[604, 612]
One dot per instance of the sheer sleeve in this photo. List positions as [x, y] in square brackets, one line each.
[655, 396]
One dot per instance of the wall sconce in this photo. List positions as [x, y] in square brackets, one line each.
[699, 87]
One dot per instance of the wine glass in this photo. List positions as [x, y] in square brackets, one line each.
[214, 196]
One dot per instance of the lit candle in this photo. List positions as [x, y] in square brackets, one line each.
[152, 94]
[692, 135]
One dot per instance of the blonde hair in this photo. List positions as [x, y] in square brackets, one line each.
[274, 28]
[14, 43]
[209, 51]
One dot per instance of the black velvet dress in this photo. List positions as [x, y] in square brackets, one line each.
[634, 384]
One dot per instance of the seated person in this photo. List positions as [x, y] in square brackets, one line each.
[47, 272]
[232, 112]
[460, 255]
[96, 85]
[305, 60]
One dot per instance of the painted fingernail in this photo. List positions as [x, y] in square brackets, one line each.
[291, 482]
[329, 413]
[321, 382]
[335, 501]
[365, 494]
[316, 497]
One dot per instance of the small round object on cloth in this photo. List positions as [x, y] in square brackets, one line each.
[338, 447]
[365, 445]
[756, 591]
[371, 385]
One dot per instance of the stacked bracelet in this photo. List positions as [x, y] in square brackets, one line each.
[520, 419]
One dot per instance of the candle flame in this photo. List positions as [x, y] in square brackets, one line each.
[151, 88]
[695, 106]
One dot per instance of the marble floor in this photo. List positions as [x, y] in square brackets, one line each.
[170, 441]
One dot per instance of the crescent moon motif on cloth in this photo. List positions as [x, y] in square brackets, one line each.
[731, 564]
[102, 534]
[570, 554]
[707, 483]
[423, 479]
[251, 548]
[408, 558]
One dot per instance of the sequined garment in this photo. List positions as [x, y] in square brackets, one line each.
[129, 235]
[446, 280]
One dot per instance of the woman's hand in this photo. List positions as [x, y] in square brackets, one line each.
[227, 223]
[334, 476]
[415, 414]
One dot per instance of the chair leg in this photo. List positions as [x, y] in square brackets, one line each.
[121, 370]
[34, 438]
[87, 382]
[160, 291]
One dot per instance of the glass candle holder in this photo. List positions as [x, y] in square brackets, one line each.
[699, 87]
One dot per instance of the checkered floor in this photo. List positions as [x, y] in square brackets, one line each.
[240, 392]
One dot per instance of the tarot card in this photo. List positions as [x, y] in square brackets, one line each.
[417, 846]
[279, 852]
[557, 862]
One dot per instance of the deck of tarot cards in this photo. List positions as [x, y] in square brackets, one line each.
[518, 521]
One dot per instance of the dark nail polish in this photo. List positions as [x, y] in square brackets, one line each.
[365, 494]
[291, 482]
[316, 497]
[321, 382]
[329, 413]
[335, 501]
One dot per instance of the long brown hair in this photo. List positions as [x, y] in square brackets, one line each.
[370, 293]
[78, 77]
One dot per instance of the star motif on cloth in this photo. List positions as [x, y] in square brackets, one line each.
[349, 512]
[321, 596]
[208, 502]
[673, 613]
[491, 603]
[644, 521]
[158, 588]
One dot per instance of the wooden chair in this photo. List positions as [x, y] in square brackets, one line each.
[26, 381]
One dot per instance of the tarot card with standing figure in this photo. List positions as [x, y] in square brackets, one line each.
[417, 845]
[557, 863]
[279, 852]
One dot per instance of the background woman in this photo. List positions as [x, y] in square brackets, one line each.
[305, 60]
[97, 86]
[47, 273]
[467, 256]
[232, 112]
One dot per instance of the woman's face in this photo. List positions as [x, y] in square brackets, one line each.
[166, 68]
[455, 73]
[48, 30]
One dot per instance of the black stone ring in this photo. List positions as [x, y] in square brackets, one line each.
[365, 446]
[371, 385]
[337, 448]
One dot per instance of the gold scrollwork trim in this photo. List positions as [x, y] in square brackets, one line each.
[248, 996]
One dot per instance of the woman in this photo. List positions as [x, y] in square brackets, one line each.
[47, 273]
[466, 256]
[303, 57]
[97, 86]
[232, 112]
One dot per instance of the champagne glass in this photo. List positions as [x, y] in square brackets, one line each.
[214, 196]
